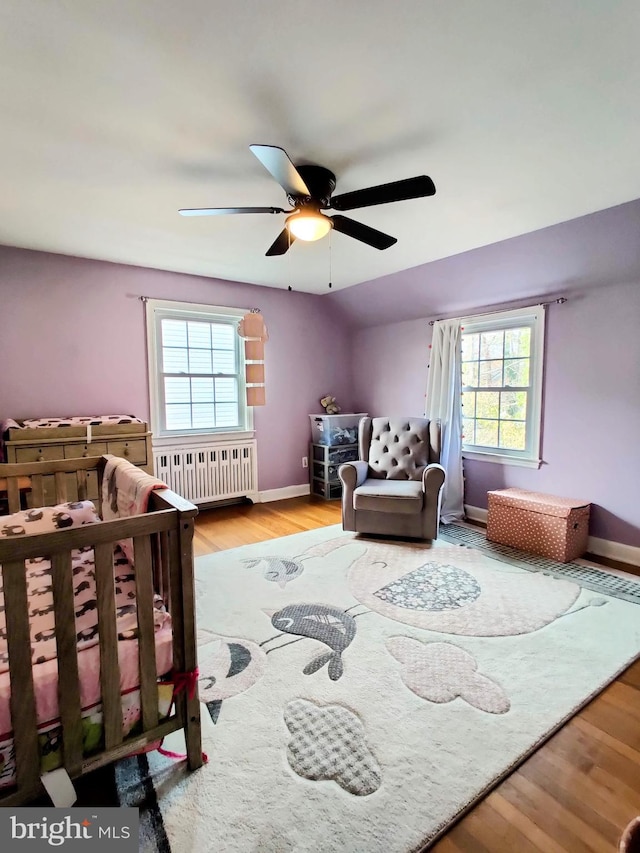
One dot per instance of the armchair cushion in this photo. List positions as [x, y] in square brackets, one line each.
[399, 448]
[401, 496]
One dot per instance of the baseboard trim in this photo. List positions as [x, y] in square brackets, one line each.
[614, 550]
[618, 551]
[283, 493]
[476, 513]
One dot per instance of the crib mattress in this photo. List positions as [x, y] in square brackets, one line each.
[45, 669]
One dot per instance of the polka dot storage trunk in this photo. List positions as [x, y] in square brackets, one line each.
[553, 527]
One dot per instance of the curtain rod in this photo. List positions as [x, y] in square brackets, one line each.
[145, 299]
[559, 301]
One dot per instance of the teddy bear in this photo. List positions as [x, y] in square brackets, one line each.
[329, 404]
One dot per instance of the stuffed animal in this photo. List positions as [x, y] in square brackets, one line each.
[329, 404]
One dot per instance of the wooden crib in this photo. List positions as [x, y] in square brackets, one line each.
[162, 541]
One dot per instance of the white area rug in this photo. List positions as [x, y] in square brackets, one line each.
[362, 694]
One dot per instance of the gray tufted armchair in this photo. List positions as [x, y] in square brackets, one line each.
[395, 488]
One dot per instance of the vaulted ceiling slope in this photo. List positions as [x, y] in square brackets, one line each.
[114, 115]
[599, 250]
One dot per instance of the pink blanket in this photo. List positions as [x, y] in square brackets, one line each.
[43, 643]
[126, 489]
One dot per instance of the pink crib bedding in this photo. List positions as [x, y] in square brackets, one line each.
[45, 669]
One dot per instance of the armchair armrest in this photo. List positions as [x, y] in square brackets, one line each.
[353, 474]
[433, 478]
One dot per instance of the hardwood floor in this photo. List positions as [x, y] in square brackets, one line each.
[576, 793]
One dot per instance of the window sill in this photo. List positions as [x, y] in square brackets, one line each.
[192, 439]
[501, 460]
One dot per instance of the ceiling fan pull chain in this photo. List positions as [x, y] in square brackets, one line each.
[330, 275]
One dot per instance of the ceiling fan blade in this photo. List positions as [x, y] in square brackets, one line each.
[276, 161]
[281, 244]
[384, 193]
[361, 232]
[217, 211]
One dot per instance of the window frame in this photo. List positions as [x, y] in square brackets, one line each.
[534, 318]
[157, 310]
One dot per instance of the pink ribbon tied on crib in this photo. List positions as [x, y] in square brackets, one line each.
[186, 682]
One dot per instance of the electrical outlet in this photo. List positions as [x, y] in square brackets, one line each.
[305, 461]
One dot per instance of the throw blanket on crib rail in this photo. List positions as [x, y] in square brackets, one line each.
[126, 489]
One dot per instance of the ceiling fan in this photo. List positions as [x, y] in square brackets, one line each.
[309, 190]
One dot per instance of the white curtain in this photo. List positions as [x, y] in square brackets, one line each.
[444, 387]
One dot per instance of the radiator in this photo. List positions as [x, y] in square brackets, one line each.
[209, 473]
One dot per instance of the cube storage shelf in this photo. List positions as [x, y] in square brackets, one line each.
[325, 461]
[335, 430]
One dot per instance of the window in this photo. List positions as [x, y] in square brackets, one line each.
[502, 386]
[196, 364]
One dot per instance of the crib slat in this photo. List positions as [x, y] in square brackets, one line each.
[68, 677]
[164, 569]
[146, 631]
[192, 705]
[61, 487]
[108, 634]
[37, 490]
[81, 484]
[175, 580]
[23, 703]
[13, 494]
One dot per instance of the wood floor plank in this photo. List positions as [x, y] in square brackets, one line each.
[485, 825]
[632, 675]
[600, 795]
[597, 735]
[614, 721]
[562, 788]
[576, 793]
[551, 815]
[513, 813]
[586, 753]
[447, 845]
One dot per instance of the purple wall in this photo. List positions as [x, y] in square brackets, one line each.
[72, 341]
[592, 382]
[390, 368]
[591, 404]
[600, 249]
[72, 332]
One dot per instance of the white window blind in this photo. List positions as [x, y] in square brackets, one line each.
[196, 369]
[502, 369]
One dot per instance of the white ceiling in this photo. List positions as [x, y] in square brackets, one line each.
[114, 114]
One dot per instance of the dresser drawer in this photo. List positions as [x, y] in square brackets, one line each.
[135, 451]
[39, 454]
[96, 448]
[49, 489]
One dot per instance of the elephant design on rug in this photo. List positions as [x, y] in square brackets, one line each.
[450, 589]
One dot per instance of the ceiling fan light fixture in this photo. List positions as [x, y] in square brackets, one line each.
[309, 225]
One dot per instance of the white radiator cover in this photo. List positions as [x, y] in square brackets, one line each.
[211, 472]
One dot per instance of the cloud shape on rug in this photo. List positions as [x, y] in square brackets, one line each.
[441, 672]
[329, 743]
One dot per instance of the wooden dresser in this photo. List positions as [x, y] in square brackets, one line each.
[131, 441]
